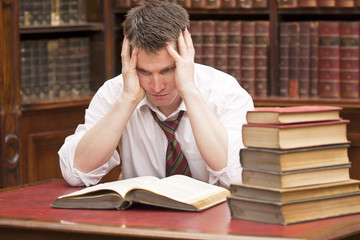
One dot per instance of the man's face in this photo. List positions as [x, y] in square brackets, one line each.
[156, 73]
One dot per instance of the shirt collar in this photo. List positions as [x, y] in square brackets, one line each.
[145, 104]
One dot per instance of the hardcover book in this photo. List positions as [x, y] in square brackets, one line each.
[294, 211]
[291, 194]
[292, 136]
[295, 114]
[295, 159]
[296, 178]
[174, 192]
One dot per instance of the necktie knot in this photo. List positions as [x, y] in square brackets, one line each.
[169, 127]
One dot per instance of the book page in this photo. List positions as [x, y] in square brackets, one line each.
[120, 186]
[185, 189]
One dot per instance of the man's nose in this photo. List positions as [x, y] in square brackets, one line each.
[157, 84]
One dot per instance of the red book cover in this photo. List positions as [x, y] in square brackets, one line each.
[297, 125]
[349, 59]
[300, 109]
[329, 59]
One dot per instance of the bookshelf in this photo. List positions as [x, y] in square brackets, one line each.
[32, 131]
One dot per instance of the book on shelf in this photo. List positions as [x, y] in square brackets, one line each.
[284, 43]
[326, 3]
[295, 193]
[234, 49]
[248, 44]
[313, 59]
[304, 59]
[329, 59]
[262, 32]
[294, 56]
[51, 12]
[345, 3]
[175, 192]
[288, 212]
[294, 114]
[294, 159]
[296, 178]
[290, 136]
[221, 45]
[349, 59]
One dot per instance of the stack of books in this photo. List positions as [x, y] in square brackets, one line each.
[295, 167]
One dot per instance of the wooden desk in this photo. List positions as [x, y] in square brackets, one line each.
[25, 213]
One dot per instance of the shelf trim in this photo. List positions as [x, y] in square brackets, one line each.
[61, 28]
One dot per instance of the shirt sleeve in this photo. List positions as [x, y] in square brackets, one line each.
[231, 108]
[100, 104]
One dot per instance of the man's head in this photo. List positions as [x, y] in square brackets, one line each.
[154, 24]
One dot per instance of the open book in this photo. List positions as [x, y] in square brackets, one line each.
[176, 192]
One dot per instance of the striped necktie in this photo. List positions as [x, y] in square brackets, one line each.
[176, 162]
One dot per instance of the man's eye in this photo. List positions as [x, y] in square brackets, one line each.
[168, 70]
[141, 71]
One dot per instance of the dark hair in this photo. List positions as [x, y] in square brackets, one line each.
[153, 24]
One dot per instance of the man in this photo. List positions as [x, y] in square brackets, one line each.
[160, 82]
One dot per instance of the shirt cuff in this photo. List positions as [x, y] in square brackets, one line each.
[226, 176]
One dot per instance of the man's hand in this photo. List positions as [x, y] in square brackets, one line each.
[184, 60]
[132, 86]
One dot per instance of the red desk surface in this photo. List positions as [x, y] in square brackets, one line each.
[30, 205]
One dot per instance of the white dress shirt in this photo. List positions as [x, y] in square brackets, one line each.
[143, 143]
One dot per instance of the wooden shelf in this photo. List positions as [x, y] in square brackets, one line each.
[59, 103]
[62, 28]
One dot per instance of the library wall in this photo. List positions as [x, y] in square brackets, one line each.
[284, 53]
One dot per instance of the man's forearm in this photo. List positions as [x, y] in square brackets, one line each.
[99, 143]
[210, 134]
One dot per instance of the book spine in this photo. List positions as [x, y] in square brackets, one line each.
[260, 4]
[304, 59]
[198, 4]
[314, 59]
[52, 48]
[329, 59]
[345, 3]
[248, 56]
[234, 49]
[262, 32]
[46, 8]
[37, 12]
[55, 12]
[197, 37]
[64, 11]
[123, 4]
[244, 3]
[208, 45]
[85, 66]
[284, 59]
[26, 70]
[228, 4]
[349, 59]
[213, 4]
[221, 45]
[43, 83]
[357, 3]
[326, 3]
[288, 3]
[307, 3]
[294, 52]
[183, 3]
